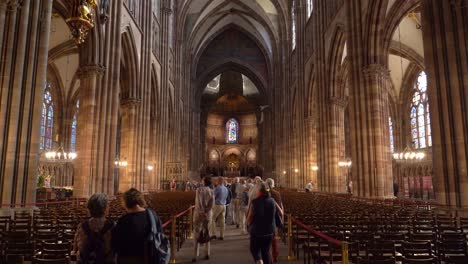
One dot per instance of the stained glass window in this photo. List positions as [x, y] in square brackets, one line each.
[232, 131]
[419, 114]
[73, 128]
[293, 25]
[390, 128]
[47, 120]
[310, 7]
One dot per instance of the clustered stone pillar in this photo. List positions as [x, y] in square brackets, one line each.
[368, 106]
[24, 41]
[336, 180]
[128, 147]
[99, 106]
[445, 27]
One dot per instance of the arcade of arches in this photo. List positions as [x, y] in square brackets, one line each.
[288, 89]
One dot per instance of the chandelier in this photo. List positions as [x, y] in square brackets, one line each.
[408, 155]
[345, 163]
[120, 163]
[60, 155]
[82, 19]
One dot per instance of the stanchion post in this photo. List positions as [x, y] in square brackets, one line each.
[345, 252]
[173, 240]
[190, 222]
[290, 236]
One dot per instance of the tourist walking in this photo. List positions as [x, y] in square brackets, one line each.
[130, 236]
[204, 202]
[278, 217]
[219, 210]
[261, 221]
[92, 242]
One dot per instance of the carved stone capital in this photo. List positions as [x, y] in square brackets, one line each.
[11, 5]
[338, 101]
[376, 71]
[166, 10]
[90, 70]
[130, 102]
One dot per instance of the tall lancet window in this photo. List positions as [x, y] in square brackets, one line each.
[47, 120]
[293, 24]
[73, 128]
[420, 117]
[232, 131]
[310, 7]
[390, 129]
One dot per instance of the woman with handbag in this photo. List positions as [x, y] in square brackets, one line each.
[204, 202]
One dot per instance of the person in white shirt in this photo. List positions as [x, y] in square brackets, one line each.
[309, 187]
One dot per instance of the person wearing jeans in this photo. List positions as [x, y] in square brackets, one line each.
[261, 221]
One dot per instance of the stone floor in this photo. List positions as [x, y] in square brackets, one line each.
[233, 249]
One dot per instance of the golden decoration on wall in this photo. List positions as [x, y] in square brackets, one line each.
[82, 19]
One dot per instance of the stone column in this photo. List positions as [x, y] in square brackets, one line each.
[370, 134]
[24, 42]
[335, 140]
[129, 145]
[311, 137]
[445, 27]
[85, 175]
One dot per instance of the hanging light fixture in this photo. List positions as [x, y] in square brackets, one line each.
[82, 19]
[120, 163]
[408, 155]
[345, 164]
[59, 155]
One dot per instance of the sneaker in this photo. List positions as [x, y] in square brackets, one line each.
[237, 226]
[213, 237]
[194, 260]
[221, 238]
[207, 257]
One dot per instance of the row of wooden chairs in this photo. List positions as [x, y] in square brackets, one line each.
[47, 234]
[376, 233]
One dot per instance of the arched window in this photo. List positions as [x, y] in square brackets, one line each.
[293, 25]
[47, 120]
[390, 129]
[310, 7]
[73, 128]
[232, 131]
[420, 117]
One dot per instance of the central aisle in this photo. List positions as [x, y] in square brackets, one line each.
[233, 249]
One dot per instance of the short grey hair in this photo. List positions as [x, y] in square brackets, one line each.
[270, 183]
[97, 205]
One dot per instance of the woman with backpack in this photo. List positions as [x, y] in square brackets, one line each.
[92, 242]
[138, 236]
[202, 217]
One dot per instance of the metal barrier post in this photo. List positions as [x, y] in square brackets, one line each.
[344, 253]
[173, 240]
[190, 222]
[290, 235]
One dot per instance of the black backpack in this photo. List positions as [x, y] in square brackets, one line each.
[158, 249]
[94, 251]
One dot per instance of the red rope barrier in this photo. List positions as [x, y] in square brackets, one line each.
[166, 223]
[177, 216]
[315, 232]
[43, 203]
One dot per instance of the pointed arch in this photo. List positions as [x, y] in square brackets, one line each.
[129, 61]
[335, 63]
